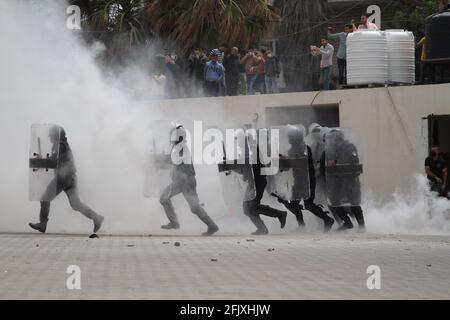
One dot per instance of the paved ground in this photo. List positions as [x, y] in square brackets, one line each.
[334, 266]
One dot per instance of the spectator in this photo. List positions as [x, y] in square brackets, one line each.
[365, 24]
[272, 72]
[174, 76]
[214, 73]
[251, 62]
[260, 82]
[342, 51]
[242, 83]
[326, 62]
[221, 52]
[196, 65]
[436, 171]
[231, 65]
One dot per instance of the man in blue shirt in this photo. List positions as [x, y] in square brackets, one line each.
[342, 52]
[213, 73]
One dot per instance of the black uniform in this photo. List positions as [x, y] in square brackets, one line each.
[437, 167]
[295, 206]
[253, 208]
[344, 188]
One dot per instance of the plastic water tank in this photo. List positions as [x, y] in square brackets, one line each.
[401, 53]
[437, 32]
[367, 58]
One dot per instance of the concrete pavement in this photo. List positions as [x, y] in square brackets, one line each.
[293, 266]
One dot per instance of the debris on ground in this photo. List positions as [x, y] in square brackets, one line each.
[428, 265]
[177, 244]
[92, 236]
[250, 240]
[130, 245]
[165, 242]
[214, 260]
[271, 249]
[37, 245]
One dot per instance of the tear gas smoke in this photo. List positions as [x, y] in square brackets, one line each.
[48, 75]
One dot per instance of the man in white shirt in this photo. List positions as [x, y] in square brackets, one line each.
[365, 24]
[326, 63]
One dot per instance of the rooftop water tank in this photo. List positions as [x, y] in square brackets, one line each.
[401, 53]
[437, 32]
[367, 58]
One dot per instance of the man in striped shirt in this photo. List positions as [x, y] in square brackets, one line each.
[220, 53]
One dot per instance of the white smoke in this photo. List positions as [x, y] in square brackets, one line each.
[418, 211]
[48, 75]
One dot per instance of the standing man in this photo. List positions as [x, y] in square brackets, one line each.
[221, 53]
[183, 181]
[251, 62]
[342, 52]
[231, 65]
[260, 82]
[365, 24]
[326, 62]
[213, 74]
[436, 171]
[65, 180]
[196, 65]
[272, 72]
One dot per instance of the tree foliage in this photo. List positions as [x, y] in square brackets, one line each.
[211, 22]
[411, 14]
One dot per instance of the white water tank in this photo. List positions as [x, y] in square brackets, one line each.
[401, 50]
[367, 58]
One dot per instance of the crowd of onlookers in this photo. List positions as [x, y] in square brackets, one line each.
[229, 71]
[326, 50]
[223, 71]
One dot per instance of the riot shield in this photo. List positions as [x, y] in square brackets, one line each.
[43, 161]
[343, 168]
[158, 165]
[235, 167]
[291, 183]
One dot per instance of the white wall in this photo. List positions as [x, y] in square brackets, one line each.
[390, 131]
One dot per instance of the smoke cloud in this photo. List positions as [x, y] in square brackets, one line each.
[48, 75]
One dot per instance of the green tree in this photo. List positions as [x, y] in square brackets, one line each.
[210, 22]
[411, 14]
[120, 24]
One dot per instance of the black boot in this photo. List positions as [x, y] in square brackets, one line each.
[40, 226]
[211, 230]
[358, 213]
[328, 224]
[282, 218]
[171, 225]
[260, 231]
[345, 226]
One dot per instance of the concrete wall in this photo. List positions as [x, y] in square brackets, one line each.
[387, 120]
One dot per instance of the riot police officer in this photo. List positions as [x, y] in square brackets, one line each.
[65, 180]
[183, 181]
[253, 208]
[296, 140]
[341, 163]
